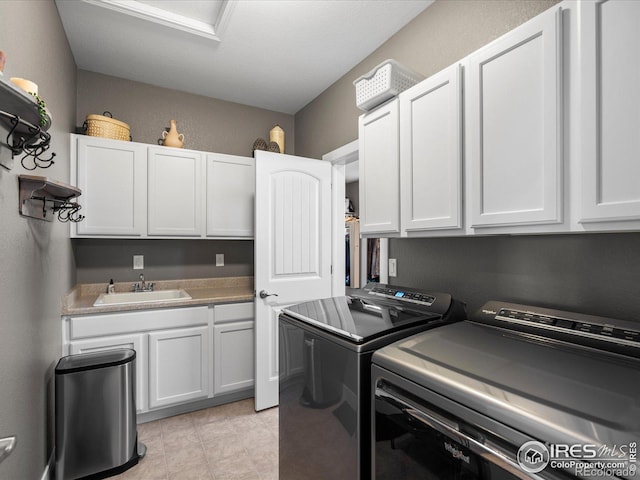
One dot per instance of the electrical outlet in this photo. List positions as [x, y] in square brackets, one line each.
[393, 267]
[219, 259]
[138, 262]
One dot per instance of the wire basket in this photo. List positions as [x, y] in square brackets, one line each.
[107, 127]
[382, 83]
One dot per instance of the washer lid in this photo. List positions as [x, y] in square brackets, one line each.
[551, 390]
[358, 319]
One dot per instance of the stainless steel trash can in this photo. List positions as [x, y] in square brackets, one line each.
[95, 409]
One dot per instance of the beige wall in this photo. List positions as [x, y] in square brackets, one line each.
[208, 124]
[36, 263]
[444, 33]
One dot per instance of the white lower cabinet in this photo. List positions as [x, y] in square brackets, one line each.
[179, 363]
[233, 350]
[182, 354]
[135, 342]
[172, 346]
[233, 347]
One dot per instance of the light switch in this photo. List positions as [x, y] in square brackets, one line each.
[219, 259]
[138, 262]
[393, 267]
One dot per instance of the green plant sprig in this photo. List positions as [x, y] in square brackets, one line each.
[41, 109]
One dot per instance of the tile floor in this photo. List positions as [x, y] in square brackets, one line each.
[228, 442]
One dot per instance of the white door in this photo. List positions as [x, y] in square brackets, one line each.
[292, 251]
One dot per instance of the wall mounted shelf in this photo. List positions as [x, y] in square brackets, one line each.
[43, 198]
[20, 116]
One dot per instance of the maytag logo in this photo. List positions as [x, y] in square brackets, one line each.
[456, 453]
[489, 312]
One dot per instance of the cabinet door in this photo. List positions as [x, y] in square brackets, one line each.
[514, 131]
[233, 347]
[380, 170]
[175, 192]
[230, 195]
[431, 153]
[136, 342]
[610, 128]
[112, 176]
[179, 362]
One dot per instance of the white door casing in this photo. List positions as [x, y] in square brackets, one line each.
[292, 251]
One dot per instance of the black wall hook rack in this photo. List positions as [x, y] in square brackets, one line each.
[66, 211]
[43, 198]
[27, 124]
[26, 137]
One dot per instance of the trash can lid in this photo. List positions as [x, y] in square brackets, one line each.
[90, 361]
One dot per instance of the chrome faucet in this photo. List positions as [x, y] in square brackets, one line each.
[142, 286]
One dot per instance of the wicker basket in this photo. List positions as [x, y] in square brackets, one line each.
[107, 127]
[382, 83]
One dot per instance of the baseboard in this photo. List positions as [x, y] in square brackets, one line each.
[193, 406]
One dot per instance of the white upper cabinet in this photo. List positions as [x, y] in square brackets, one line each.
[136, 190]
[378, 135]
[175, 192]
[431, 154]
[113, 178]
[230, 195]
[609, 148]
[513, 130]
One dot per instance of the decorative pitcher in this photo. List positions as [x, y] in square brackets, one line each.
[172, 138]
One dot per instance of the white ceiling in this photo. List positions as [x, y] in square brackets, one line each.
[273, 54]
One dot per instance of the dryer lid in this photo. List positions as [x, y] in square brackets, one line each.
[550, 389]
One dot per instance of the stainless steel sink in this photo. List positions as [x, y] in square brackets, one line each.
[141, 297]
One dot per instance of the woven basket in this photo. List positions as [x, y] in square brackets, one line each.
[107, 127]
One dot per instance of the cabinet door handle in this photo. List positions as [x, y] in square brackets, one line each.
[7, 445]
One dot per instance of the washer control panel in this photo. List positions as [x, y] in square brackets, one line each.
[569, 325]
[403, 294]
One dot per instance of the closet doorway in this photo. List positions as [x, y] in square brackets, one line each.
[356, 261]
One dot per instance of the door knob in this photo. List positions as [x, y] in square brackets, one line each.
[265, 294]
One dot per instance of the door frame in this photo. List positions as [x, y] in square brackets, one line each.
[339, 158]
